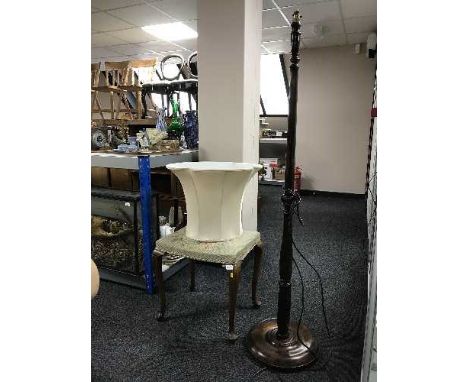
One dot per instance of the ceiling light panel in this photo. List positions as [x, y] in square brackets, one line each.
[171, 32]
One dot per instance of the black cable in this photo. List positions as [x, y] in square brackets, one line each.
[322, 297]
[302, 307]
[294, 210]
[316, 356]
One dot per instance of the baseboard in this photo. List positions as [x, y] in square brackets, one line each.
[330, 193]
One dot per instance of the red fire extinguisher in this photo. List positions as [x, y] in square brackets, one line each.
[297, 179]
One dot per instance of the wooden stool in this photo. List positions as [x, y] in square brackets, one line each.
[229, 253]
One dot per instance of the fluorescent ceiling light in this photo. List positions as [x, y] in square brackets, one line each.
[171, 32]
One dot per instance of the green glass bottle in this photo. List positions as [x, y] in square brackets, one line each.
[176, 126]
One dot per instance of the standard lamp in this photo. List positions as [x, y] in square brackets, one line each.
[280, 342]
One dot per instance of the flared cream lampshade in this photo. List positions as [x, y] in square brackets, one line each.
[213, 194]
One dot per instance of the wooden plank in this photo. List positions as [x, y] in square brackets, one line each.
[99, 177]
[107, 89]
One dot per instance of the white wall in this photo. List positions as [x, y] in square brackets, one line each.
[335, 97]
[229, 37]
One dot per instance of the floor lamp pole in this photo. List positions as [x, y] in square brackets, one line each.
[275, 342]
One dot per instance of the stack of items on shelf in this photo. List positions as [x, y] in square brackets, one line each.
[119, 97]
[171, 134]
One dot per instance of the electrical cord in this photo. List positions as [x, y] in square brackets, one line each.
[316, 356]
[294, 210]
[322, 297]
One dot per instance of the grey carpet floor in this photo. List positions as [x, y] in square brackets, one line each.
[129, 344]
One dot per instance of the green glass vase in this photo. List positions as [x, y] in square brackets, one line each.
[176, 127]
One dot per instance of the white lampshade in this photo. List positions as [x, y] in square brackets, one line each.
[213, 193]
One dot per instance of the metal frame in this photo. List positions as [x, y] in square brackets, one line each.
[134, 201]
[144, 169]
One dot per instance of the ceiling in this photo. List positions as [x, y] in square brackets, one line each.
[117, 34]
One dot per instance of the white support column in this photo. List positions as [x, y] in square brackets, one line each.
[229, 38]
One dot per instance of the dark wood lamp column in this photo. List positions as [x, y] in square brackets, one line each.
[275, 341]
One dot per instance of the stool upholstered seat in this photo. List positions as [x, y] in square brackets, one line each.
[228, 253]
[221, 252]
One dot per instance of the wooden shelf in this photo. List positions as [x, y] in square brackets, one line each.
[125, 122]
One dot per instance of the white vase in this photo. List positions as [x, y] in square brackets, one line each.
[213, 194]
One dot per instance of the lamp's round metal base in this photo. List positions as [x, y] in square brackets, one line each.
[289, 353]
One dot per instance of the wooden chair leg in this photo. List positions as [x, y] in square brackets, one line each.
[234, 276]
[258, 252]
[119, 98]
[112, 104]
[160, 284]
[192, 275]
[98, 103]
[126, 104]
[138, 104]
[93, 101]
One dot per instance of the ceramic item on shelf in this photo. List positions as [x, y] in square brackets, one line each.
[121, 148]
[98, 139]
[132, 148]
[155, 135]
[143, 140]
[213, 193]
[161, 119]
[132, 141]
[168, 145]
[191, 129]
